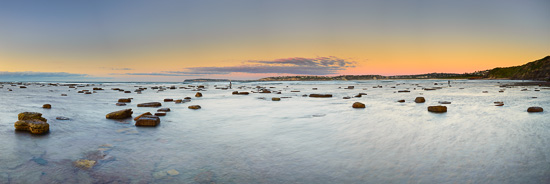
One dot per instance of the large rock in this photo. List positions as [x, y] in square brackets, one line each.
[148, 120]
[320, 95]
[122, 114]
[150, 104]
[419, 100]
[144, 114]
[438, 108]
[534, 109]
[358, 105]
[30, 116]
[35, 126]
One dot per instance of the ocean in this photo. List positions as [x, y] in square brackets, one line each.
[299, 139]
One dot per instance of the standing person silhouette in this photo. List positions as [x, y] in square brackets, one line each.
[229, 84]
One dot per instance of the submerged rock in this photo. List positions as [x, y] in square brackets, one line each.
[84, 164]
[62, 118]
[120, 104]
[122, 114]
[438, 108]
[358, 105]
[534, 109]
[419, 100]
[150, 104]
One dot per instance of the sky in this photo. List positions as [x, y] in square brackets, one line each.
[173, 40]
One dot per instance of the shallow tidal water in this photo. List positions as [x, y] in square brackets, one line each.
[246, 139]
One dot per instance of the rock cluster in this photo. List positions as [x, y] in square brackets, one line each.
[32, 122]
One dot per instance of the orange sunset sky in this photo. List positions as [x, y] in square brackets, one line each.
[121, 40]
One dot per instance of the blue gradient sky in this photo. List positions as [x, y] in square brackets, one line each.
[386, 37]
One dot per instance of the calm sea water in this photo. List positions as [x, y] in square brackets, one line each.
[246, 139]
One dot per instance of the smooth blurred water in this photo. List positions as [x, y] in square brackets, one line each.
[244, 139]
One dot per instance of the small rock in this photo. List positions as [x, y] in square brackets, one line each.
[358, 105]
[534, 109]
[275, 99]
[320, 95]
[401, 101]
[419, 100]
[163, 110]
[444, 102]
[194, 107]
[61, 118]
[120, 104]
[125, 100]
[47, 106]
[168, 100]
[160, 114]
[437, 109]
[198, 94]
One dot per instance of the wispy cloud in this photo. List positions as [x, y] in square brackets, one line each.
[154, 74]
[296, 65]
